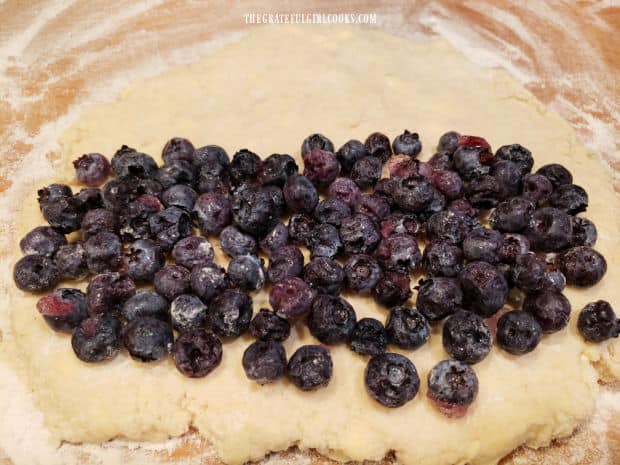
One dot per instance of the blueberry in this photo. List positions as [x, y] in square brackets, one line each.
[187, 311]
[134, 219]
[176, 172]
[549, 230]
[300, 227]
[392, 289]
[331, 319]
[147, 339]
[285, 262]
[399, 252]
[452, 387]
[314, 142]
[448, 142]
[359, 234]
[178, 148]
[368, 337]
[386, 187]
[36, 273]
[213, 177]
[172, 281]
[571, 198]
[300, 194]
[107, 292]
[103, 252]
[197, 352]
[449, 183]
[345, 190]
[144, 186]
[485, 289]
[553, 280]
[518, 332]
[97, 220]
[142, 259]
[264, 361]
[509, 178]
[181, 196]
[325, 241]
[512, 215]
[63, 213]
[582, 266]
[391, 379]
[472, 157]
[209, 153]
[407, 328]
[90, 198]
[556, 173]
[208, 280]
[484, 191]
[466, 337]
[378, 145]
[373, 205]
[230, 313]
[442, 161]
[279, 203]
[42, 240]
[70, 260]
[276, 168]
[53, 192]
[143, 304]
[246, 272]
[528, 272]
[550, 309]
[291, 298]
[482, 244]
[349, 153]
[332, 211]
[212, 213]
[441, 258]
[254, 210]
[400, 223]
[463, 207]
[193, 251]
[170, 226]
[439, 297]
[597, 322]
[63, 309]
[245, 166]
[414, 194]
[536, 188]
[448, 226]
[404, 167]
[516, 154]
[325, 275]
[321, 167]
[362, 273]
[267, 326]
[132, 163]
[310, 368]
[366, 171]
[584, 232]
[97, 338]
[513, 246]
[274, 239]
[407, 143]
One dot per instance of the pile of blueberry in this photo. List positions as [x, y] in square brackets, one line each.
[363, 231]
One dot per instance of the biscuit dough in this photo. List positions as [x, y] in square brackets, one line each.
[267, 92]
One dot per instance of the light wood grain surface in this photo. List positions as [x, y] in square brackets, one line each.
[56, 54]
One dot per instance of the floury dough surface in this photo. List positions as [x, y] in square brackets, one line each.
[267, 92]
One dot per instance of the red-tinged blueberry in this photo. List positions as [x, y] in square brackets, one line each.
[439, 297]
[402, 166]
[197, 352]
[103, 252]
[391, 379]
[368, 337]
[172, 281]
[181, 196]
[448, 142]
[556, 173]
[598, 322]
[245, 166]
[485, 289]
[42, 240]
[441, 161]
[449, 226]
[550, 309]
[407, 328]
[399, 252]
[264, 361]
[212, 213]
[187, 311]
[452, 387]
[349, 153]
[310, 368]
[63, 213]
[373, 205]
[571, 198]
[392, 289]
[400, 223]
[230, 313]
[291, 298]
[344, 190]
[582, 266]
[449, 183]
[362, 273]
[316, 142]
[300, 227]
[107, 292]
[178, 148]
[36, 273]
[549, 230]
[254, 210]
[208, 280]
[209, 153]
[132, 163]
[366, 171]
[359, 234]
[536, 188]
[92, 169]
[70, 260]
[64, 309]
[378, 145]
[98, 220]
[407, 143]
[267, 326]
[518, 332]
[147, 339]
[516, 154]
[143, 304]
[324, 275]
[321, 167]
[246, 272]
[331, 319]
[441, 258]
[97, 338]
[193, 251]
[170, 226]
[584, 232]
[466, 337]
